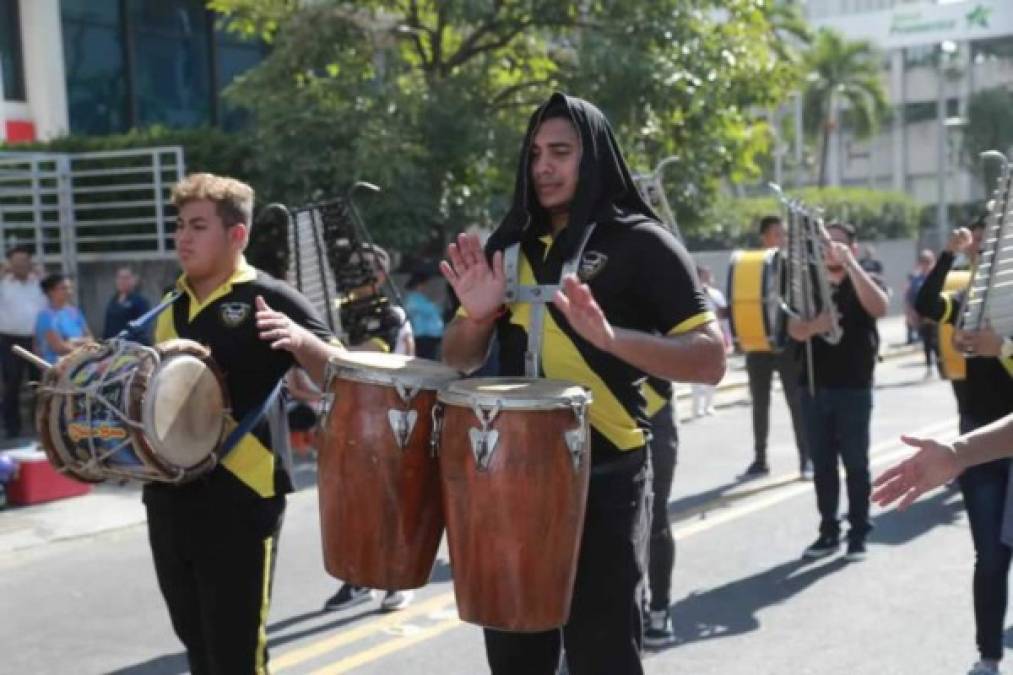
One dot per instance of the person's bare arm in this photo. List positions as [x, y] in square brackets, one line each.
[872, 298]
[309, 351]
[695, 356]
[936, 464]
[466, 343]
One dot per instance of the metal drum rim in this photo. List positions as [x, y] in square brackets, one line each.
[449, 396]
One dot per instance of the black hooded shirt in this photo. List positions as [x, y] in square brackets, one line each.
[640, 275]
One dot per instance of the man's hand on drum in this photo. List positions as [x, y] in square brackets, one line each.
[582, 311]
[934, 464]
[481, 288]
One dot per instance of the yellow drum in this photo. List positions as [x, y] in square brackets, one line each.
[758, 321]
[953, 363]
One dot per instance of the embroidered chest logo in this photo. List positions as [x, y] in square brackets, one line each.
[591, 264]
[234, 313]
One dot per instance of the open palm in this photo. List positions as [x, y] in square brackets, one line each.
[481, 288]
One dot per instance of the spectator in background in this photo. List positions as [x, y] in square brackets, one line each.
[60, 327]
[424, 315]
[915, 323]
[125, 306]
[21, 300]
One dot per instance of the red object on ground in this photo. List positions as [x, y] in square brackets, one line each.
[37, 481]
[20, 131]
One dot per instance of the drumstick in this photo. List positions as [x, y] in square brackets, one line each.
[39, 363]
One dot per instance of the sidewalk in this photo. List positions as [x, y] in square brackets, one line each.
[111, 507]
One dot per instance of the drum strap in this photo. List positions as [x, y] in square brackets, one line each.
[250, 420]
[137, 326]
[537, 296]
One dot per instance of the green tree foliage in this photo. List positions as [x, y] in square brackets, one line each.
[989, 127]
[842, 72]
[429, 98]
[876, 214]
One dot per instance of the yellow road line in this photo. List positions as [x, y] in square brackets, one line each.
[381, 650]
[707, 521]
[344, 637]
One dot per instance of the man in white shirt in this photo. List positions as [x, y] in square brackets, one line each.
[21, 300]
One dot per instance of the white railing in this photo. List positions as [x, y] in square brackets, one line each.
[71, 207]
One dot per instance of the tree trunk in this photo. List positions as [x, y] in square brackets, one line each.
[822, 180]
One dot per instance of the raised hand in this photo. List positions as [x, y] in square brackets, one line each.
[278, 329]
[960, 240]
[480, 288]
[582, 311]
[933, 465]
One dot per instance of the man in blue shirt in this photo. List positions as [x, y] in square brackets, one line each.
[125, 306]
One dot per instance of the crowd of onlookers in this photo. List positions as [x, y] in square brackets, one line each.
[37, 313]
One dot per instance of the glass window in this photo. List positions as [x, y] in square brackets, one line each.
[10, 51]
[171, 62]
[235, 57]
[93, 55]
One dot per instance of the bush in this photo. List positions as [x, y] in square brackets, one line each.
[734, 222]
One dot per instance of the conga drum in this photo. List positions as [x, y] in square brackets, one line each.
[121, 410]
[758, 321]
[379, 487]
[514, 461]
[953, 363]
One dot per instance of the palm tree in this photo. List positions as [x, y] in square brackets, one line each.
[842, 71]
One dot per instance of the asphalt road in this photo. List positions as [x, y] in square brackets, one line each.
[745, 601]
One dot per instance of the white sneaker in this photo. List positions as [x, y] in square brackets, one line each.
[395, 600]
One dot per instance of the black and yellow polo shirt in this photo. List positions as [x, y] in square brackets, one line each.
[643, 279]
[225, 323]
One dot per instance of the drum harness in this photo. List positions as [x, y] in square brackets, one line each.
[93, 392]
[484, 440]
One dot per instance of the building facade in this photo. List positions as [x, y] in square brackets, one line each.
[107, 66]
[937, 57]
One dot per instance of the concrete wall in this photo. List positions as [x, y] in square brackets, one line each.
[897, 256]
[96, 284]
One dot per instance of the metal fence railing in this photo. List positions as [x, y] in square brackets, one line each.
[83, 207]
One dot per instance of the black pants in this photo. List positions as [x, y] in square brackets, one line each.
[760, 367]
[927, 332]
[984, 489]
[664, 456]
[15, 371]
[605, 631]
[838, 425]
[215, 558]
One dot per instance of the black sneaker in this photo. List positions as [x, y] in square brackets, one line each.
[824, 545]
[756, 469]
[856, 550]
[347, 596]
[658, 631]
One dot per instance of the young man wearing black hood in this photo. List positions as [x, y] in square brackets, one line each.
[633, 309]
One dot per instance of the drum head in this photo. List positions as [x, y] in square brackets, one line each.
[390, 369]
[515, 393]
[184, 411]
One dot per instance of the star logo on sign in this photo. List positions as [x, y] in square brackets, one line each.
[978, 17]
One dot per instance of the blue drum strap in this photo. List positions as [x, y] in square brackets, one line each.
[137, 326]
[250, 420]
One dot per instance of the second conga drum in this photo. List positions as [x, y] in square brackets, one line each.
[514, 461]
[380, 509]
